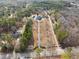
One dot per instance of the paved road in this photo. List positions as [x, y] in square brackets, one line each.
[18, 56]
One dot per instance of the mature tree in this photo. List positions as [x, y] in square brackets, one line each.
[26, 36]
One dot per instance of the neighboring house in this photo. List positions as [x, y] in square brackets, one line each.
[16, 34]
[37, 17]
[13, 28]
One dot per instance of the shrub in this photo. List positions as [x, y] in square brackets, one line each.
[66, 55]
[61, 35]
[38, 50]
[7, 48]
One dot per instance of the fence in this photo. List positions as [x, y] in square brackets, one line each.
[58, 57]
[47, 57]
